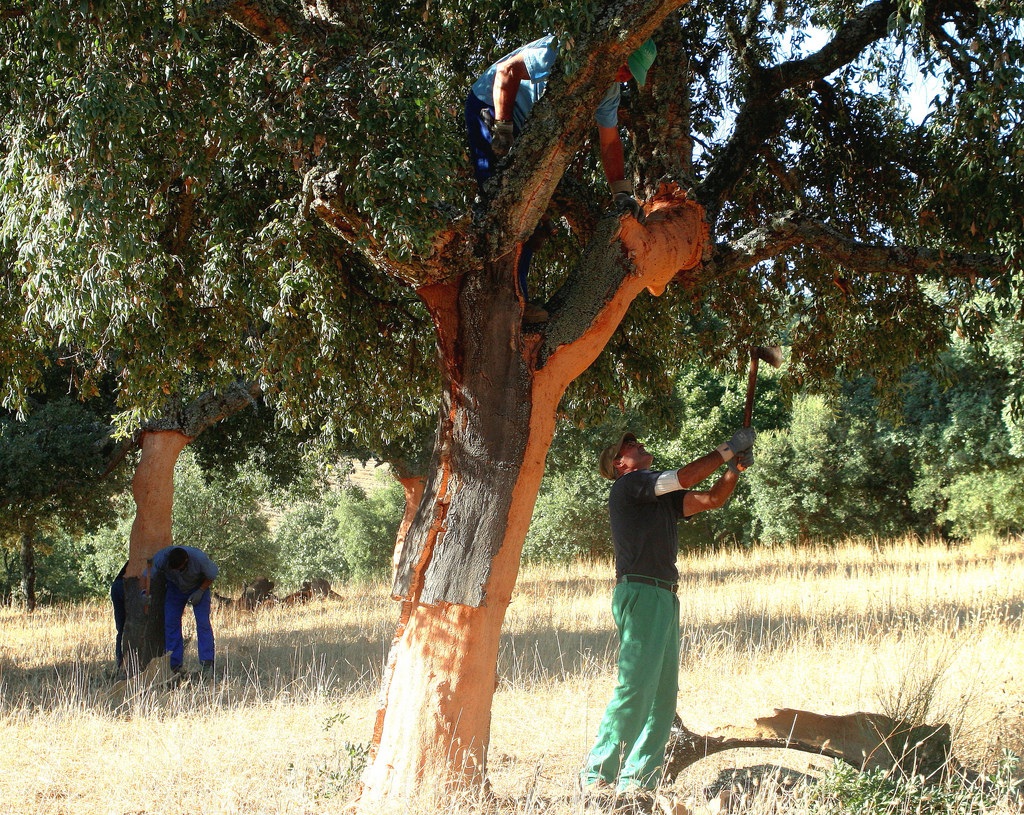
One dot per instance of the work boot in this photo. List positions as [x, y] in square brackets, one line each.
[634, 802]
[532, 313]
[206, 669]
[596, 796]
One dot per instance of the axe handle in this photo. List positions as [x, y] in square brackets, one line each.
[748, 410]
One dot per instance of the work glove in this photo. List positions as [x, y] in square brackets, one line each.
[502, 135]
[195, 597]
[742, 461]
[622, 194]
[742, 439]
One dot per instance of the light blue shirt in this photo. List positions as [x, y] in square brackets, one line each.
[199, 568]
[539, 56]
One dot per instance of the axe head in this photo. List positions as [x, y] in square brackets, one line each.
[771, 354]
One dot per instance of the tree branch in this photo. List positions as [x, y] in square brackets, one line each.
[621, 260]
[797, 229]
[761, 116]
[267, 20]
[558, 122]
[207, 409]
[451, 254]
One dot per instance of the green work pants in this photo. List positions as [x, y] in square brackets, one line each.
[630, 747]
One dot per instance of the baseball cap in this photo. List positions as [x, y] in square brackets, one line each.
[611, 452]
[641, 60]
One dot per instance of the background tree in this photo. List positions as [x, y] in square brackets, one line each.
[814, 207]
[51, 478]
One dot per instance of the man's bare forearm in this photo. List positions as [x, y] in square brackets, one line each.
[696, 471]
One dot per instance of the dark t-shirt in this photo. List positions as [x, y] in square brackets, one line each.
[644, 526]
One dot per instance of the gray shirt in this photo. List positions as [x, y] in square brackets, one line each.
[198, 568]
[644, 526]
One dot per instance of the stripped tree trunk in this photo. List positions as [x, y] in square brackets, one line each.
[461, 557]
[153, 490]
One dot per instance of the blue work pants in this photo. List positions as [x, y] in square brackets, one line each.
[175, 601]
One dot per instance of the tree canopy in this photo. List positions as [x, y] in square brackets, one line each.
[162, 164]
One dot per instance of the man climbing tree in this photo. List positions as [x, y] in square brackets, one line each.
[301, 160]
[496, 110]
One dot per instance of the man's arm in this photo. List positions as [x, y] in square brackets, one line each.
[612, 158]
[507, 77]
[697, 471]
[714, 498]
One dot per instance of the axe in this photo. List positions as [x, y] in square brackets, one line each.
[773, 356]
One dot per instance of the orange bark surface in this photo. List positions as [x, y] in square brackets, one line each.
[153, 491]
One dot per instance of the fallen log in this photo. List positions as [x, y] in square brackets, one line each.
[867, 741]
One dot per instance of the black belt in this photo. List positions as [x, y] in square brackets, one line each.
[650, 581]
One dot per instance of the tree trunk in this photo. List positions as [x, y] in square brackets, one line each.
[153, 491]
[28, 571]
[461, 556]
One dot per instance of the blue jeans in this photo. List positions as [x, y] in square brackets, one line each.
[175, 601]
[484, 161]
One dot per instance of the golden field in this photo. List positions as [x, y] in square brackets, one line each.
[921, 630]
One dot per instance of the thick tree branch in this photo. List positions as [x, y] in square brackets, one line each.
[207, 409]
[268, 20]
[797, 229]
[761, 115]
[451, 255]
[622, 259]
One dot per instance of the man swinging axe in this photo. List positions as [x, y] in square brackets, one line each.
[644, 507]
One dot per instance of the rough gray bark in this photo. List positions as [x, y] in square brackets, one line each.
[143, 637]
[479, 445]
[206, 409]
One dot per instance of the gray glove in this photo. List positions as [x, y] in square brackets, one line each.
[627, 204]
[742, 461]
[196, 596]
[742, 439]
[502, 135]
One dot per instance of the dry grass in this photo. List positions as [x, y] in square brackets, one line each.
[883, 629]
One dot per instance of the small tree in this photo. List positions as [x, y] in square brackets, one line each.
[51, 468]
